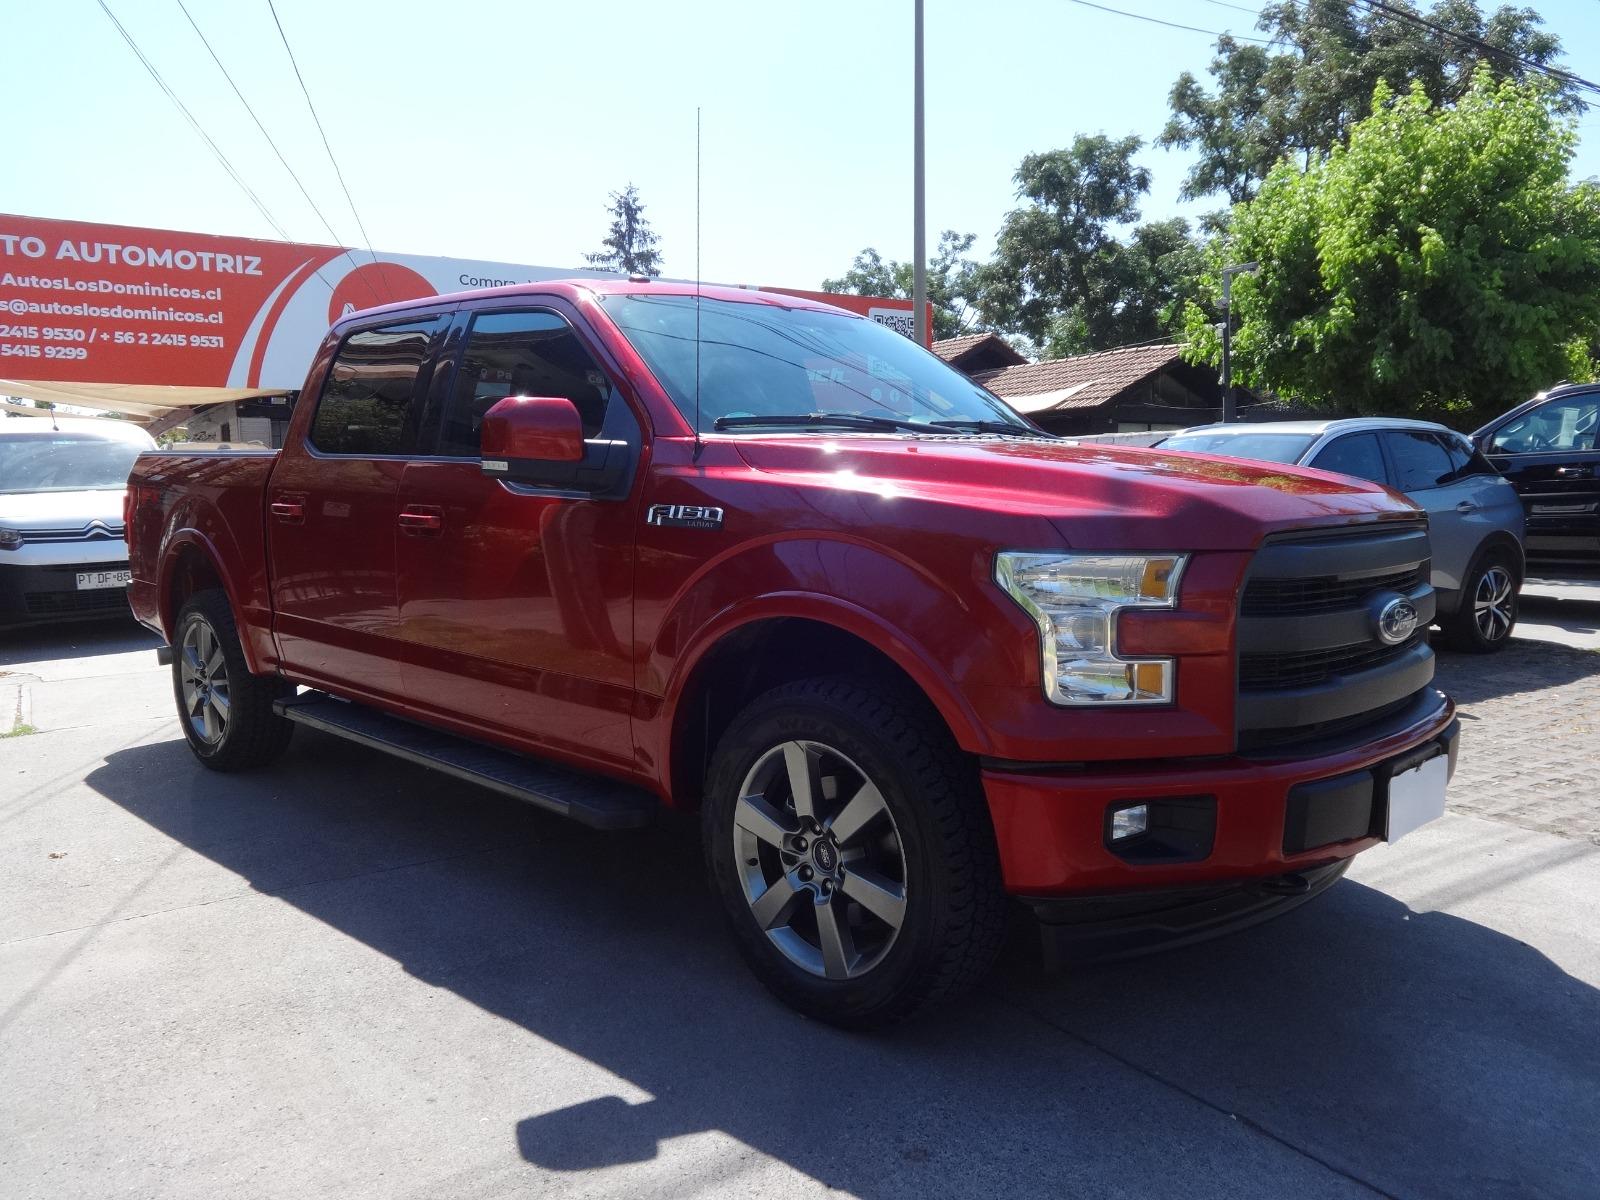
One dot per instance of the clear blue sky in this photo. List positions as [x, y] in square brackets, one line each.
[494, 130]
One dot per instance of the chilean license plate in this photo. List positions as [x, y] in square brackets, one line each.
[88, 580]
[1417, 797]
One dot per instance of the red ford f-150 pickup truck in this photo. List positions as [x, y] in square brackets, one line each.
[613, 546]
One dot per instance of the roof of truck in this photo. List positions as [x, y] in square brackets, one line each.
[569, 288]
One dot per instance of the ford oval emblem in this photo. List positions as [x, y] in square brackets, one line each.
[1397, 620]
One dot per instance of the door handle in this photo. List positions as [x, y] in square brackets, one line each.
[1574, 472]
[421, 520]
[291, 511]
[1466, 506]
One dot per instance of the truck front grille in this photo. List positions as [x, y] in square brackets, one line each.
[1260, 672]
[1310, 658]
[1323, 593]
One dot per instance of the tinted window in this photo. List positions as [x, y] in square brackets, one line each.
[1567, 424]
[1268, 447]
[368, 405]
[1464, 460]
[1354, 454]
[520, 354]
[1419, 461]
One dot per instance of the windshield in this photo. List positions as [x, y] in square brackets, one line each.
[1267, 447]
[64, 462]
[759, 360]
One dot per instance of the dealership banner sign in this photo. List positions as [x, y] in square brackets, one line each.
[89, 303]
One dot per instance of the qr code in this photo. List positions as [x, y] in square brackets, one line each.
[902, 321]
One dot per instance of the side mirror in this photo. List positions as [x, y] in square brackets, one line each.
[522, 436]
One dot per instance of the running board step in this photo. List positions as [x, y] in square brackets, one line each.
[590, 800]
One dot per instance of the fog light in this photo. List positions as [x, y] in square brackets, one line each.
[1129, 822]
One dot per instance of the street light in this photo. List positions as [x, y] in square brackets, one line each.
[1228, 273]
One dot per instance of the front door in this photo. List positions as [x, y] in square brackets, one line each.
[331, 513]
[516, 603]
[1551, 455]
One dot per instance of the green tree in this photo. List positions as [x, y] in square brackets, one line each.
[951, 281]
[630, 246]
[1441, 264]
[1072, 269]
[1300, 95]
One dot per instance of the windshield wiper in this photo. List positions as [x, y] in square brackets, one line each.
[821, 420]
[1001, 427]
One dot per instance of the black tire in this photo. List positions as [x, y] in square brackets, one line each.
[250, 734]
[1476, 630]
[952, 908]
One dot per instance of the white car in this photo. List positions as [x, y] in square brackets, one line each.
[62, 481]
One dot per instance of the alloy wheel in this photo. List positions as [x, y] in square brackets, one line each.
[1492, 604]
[820, 860]
[203, 677]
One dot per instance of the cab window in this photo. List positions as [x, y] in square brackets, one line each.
[1353, 454]
[368, 405]
[520, 354]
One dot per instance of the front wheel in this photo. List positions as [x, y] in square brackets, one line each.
[1488, 611]
[226, 711]
[850, 843]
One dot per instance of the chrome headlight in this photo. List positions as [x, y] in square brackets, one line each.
[1075, 599]
[10, 539]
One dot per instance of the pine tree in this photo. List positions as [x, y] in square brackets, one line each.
[631, 245]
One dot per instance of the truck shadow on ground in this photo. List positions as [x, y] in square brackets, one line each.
[1351, 1043]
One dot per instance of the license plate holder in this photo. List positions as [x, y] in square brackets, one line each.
[1416, 796]
[91, 580]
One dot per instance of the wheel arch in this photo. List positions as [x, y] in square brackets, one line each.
[744, 658]
[191, 564]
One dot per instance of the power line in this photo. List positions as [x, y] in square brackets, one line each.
[337, 240]
[1567, 77]
[1172, 24]
[189, 116]
[305, 91]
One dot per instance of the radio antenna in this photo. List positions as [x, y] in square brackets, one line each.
[698, 445]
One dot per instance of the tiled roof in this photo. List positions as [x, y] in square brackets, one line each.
[1083, 381]
[952, 348]
[969, 348]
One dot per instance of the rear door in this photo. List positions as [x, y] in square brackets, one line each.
[1552, 457]
[516, 602]
[331, 511]
[1421, 467]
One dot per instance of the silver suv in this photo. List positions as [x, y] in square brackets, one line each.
[1474, 516]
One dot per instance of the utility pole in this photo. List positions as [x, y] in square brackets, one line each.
[1228, 273]
[919, 197]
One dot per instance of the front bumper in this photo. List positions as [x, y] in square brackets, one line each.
[1264, 814]
[39, 594]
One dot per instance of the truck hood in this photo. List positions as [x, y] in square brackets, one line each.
[62, 510]
[1095, 495]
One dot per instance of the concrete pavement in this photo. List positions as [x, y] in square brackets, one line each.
[345, 977]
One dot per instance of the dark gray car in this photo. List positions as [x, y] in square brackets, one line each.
[1475, 519]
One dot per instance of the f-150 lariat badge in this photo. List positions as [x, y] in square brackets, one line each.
[684, 516]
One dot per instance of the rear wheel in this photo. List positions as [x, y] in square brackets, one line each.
[226, 711]
[850, 843]
[1488, 610]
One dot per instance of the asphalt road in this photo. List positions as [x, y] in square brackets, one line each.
[343, 977]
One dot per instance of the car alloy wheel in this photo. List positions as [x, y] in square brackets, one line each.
[820, 860]
[1492, 602]
[203, 676]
